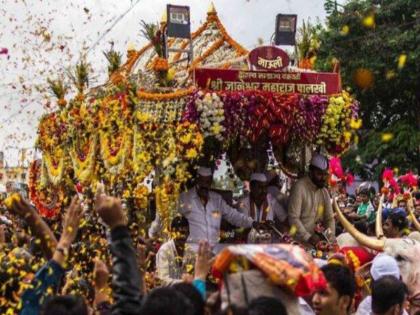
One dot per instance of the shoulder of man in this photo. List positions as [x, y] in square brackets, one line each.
[301, 184]
[215, 196]
[166, 246]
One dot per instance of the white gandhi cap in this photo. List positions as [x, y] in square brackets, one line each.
[384, 265]
[259, 177]
[319, 161]
[204, 171]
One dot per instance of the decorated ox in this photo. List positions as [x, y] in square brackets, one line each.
[405, 250]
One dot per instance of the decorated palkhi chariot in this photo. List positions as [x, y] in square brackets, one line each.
[178, 103]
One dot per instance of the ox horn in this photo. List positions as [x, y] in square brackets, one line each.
[378, 223]
[358, 236]
[413, 217]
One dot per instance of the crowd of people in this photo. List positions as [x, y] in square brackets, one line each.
[94, 260]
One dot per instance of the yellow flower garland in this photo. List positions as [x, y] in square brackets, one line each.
[164, 96]
[166, 201]
[114, 162]
[84, 170]
[54, 174]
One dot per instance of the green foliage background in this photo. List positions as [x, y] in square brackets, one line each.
[392, 103]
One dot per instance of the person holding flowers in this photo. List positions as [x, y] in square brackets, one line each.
[261, 206]
[310, 203]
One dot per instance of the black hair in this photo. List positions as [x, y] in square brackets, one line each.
[193, 295]
[166, 301]
[398, 220]
[266, 306]
[416, 195]
[64, 305]
[364, 191]
[387, 291]
[361, 226]
[341, 279]
[314, 168]
[179, 222]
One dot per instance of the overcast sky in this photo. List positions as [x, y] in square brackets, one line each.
[44, 38]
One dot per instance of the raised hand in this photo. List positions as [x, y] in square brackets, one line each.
[71, 222]
[70, 227]
[101, 274]
[22, 208]
[109, 209]
[19, 206]
[101, 277]
[203, 261]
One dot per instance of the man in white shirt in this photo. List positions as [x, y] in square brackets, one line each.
[259, 205]
[275, 187]
[174, 257]
[205, 209]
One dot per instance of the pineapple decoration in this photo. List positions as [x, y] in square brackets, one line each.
[307, 45]
[59, 90]
[80, 78]
[114, 60]
[160, 66]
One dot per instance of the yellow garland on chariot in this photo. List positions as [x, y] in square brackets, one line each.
[141, 195]
[114, 162]
[84, 169]
[166, 201]
[54, 173]
[142, 157]
[142, 95]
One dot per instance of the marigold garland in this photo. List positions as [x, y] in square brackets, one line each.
[141, 194]
[47, 200]
[52, 131]
[166, 196]
[84, 166]
[160, 64]
[54, 170]
[142, 155]
[114, 157]
[164, 96]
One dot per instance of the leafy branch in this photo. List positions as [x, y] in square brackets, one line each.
[57, 88]
[114, 60]
[152, 33]
[80, 76]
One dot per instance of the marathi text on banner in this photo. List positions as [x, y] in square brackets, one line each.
[278, 82]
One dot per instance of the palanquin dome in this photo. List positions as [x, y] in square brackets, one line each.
[212, 46]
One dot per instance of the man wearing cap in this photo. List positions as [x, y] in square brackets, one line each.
[205, 209]
[382, 265]
[259, 205]
[274, 187]
[310, 203]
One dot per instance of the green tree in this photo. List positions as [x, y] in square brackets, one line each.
[377, 45]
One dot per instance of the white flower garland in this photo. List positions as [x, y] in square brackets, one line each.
[212, 115]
